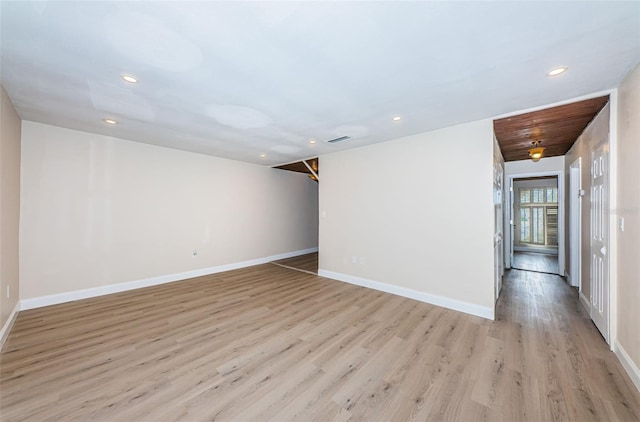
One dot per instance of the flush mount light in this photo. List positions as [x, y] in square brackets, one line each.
[536, 152]
[129, 78]
[557, 71]
[109, 121]
[396, 118]
[263, 155]
[312, 141]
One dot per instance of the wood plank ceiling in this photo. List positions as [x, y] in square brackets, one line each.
[300, 167]
[557, 128]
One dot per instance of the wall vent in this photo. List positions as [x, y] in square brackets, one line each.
[340, 139]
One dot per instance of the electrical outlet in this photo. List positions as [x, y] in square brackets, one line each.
[363, 260]
[194, 253]
[354, 259]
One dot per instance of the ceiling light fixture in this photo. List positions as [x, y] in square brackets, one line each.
[396, 118]
[129, 78]
[312, 141]
[557, 71]
[536, 152]
[109, 121]
[263, 155]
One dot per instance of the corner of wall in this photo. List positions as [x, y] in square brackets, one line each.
[10, 163]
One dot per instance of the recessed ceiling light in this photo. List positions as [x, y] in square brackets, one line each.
[396, 118]
[312, 141]
[263, 155]
[129, 78]
[557, 71]
[109, 121]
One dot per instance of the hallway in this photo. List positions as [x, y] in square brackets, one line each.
[555, 352]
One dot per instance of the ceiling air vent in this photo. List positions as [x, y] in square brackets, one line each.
[340, 139]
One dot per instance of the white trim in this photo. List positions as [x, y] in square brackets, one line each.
[508, 220]
[557, 103]
[38, 302]
[627, 363]
[613, 227]
[311, 170]
[575, 238]
[6, 328]
[445, 302]
[585, 302]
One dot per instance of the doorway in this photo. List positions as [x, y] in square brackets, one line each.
[535, 224]
[536, 220]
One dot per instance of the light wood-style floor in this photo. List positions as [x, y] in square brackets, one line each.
[533, 261]
[308, 262]
[269, 343]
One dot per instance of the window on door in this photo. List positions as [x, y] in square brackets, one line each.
[538, 216]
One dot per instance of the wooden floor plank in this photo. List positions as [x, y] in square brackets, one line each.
[271, 343]
[307, 262]
[535, 261]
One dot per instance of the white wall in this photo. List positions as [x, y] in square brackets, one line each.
[98, 211]
[535, 183]
[545, 165]
[413, 214]
[628, 241]
[9, 207]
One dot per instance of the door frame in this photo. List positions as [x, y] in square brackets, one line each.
[498, 243]
[575, 224]
[509, 217]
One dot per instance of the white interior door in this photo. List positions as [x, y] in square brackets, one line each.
[600, 239]
[575, 223]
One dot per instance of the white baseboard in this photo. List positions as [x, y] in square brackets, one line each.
[628, 364]
[445, 302]
[585, 302]
[6, 328]
[38, 302]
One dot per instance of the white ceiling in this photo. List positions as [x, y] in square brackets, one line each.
[240, 79]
